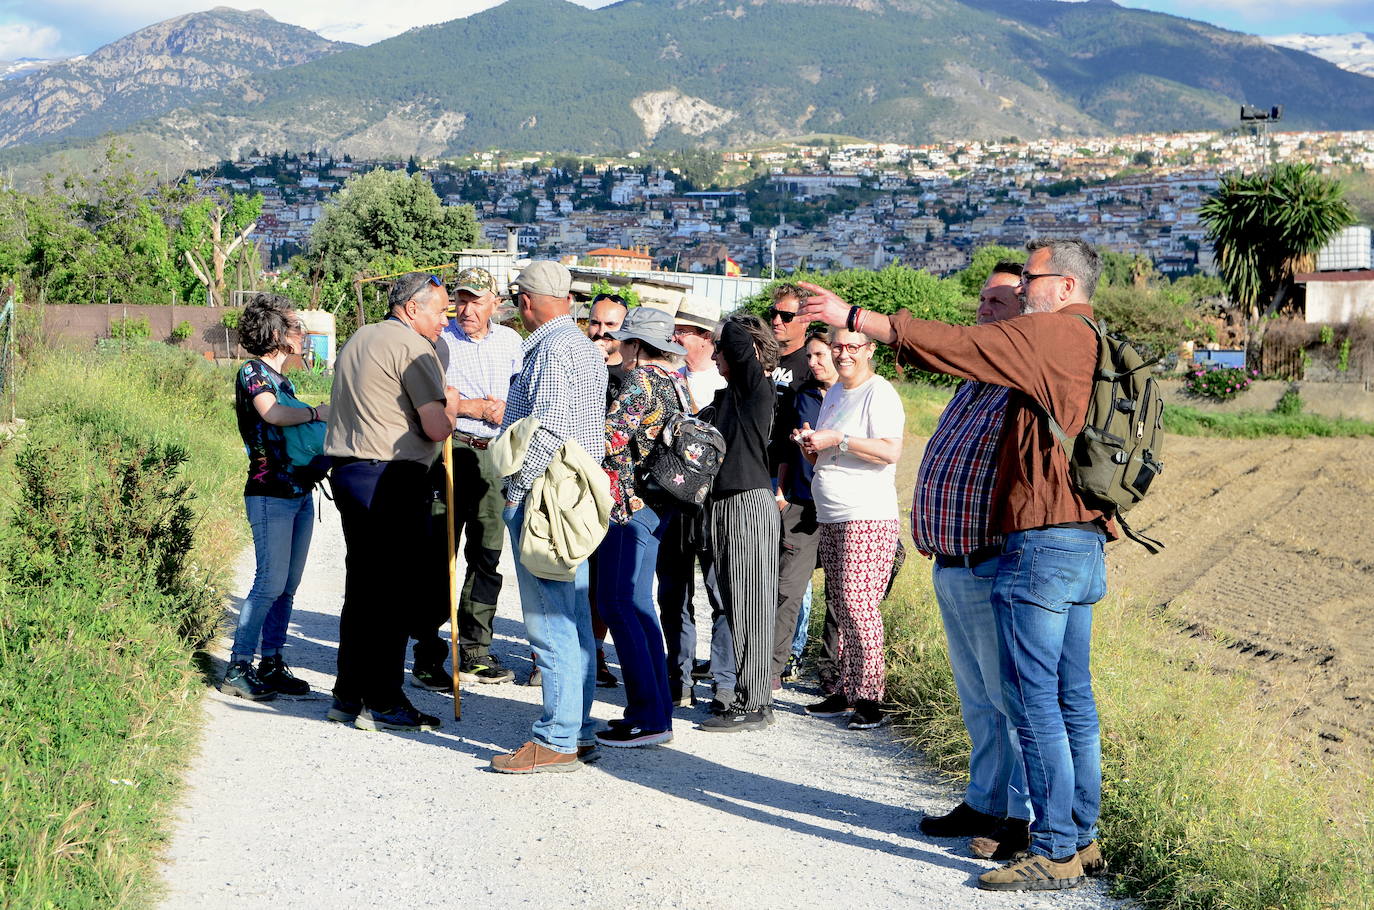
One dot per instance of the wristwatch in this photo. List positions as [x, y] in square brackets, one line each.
[844, 445]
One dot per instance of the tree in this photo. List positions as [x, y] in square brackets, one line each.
[212, 232]
[387, 213]
[972, 278]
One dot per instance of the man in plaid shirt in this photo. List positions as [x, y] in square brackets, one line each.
[563, 385]
[949, 521]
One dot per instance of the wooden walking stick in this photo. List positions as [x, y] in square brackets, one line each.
[452, 577]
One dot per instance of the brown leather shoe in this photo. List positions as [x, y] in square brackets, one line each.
[531, 758]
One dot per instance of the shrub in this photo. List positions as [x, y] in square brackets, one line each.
[131, 328]
[230, 319]
[1289, 403]
[1218, 383]
[1155, 321]
[183, 330]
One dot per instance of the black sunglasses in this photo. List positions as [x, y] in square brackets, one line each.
[784, 315]
[614, 298]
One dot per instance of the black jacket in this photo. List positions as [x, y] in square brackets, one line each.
[743, 412]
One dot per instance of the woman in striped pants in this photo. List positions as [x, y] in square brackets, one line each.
[743, 517]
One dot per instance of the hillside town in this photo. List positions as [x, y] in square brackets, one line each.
[820, 204]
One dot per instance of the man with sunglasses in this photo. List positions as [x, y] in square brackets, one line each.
[607, 315]
[1051, 569]
[391, 410]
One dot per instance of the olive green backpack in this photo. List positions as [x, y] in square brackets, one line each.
[1115, 458]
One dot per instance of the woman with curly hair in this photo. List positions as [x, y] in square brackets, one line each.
[649, 394]
[742, 519]
[279, 503]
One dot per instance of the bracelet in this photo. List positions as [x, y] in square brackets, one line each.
[858, 322]
[853, 318]
[314, 414]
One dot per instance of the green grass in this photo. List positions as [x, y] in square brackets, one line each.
[1210, 801]
[1186, 421]
[121, 517]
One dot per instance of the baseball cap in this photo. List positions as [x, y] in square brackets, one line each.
[545, 278]
[475, 281]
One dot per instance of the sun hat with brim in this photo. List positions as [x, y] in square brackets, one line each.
[651, 326]
[698, 311]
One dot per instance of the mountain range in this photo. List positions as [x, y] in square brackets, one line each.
[1353, 51]
[551, 75]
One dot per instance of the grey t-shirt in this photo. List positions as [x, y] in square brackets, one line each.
[384, 373]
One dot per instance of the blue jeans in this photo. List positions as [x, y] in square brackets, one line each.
[803, 624]
[1047, 582]
[281, 541]
[625, 596]
[996, 774]
[558, 621]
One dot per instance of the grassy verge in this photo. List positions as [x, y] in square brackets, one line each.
[1209, 802]
[121, 516]
[1186, 421]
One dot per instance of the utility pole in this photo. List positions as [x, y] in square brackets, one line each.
[773, 252]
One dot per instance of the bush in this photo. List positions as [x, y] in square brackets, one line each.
[131, 328]
[1289, 403]
[230, 319]
[1218, 383]
[1155, 321]
[183, 330]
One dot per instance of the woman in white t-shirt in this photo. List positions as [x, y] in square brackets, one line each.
[855, 446]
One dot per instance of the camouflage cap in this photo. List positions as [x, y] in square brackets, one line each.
[475, 281]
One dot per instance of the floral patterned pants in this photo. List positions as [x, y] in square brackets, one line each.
[857, 558]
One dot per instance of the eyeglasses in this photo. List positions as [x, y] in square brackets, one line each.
[1028, 277]
[850, 349]
[785, 315]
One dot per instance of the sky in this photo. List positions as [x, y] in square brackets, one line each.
[52, 28]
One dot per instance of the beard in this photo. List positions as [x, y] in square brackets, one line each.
[1030, 305]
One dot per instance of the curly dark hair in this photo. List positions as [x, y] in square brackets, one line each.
[264, 323]
[765, 345]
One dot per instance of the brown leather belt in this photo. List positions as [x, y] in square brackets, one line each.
[479, 443]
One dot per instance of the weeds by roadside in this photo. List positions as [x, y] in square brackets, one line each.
[1185, 421]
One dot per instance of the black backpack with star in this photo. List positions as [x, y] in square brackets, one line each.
[683, 461]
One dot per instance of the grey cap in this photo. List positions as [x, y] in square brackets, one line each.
[650, 325]
[545, 278]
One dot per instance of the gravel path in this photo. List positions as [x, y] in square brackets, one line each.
[284, 809]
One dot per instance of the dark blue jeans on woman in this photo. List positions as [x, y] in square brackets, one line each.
[281, 540]
[625, 594]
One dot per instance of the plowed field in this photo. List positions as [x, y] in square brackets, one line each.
[1271, 549]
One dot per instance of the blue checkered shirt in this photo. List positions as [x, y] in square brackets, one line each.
[563, 384]
[953, 499]
[480, 368]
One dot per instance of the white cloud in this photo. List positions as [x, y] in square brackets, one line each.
[18, 39]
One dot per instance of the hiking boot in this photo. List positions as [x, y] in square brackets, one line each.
[484, 669]
[735, 720]
[1011, 836]
[791, 671]
[276, 675]
[241, 680]
[588, 754]
[832, 706]
[1033, 872]
[867, 715]
[605, 679]
[962, 821]
[533, 758]
[1094, 863]
[701, 669]
[621, 736]
[432, 677]
[404, 718]
[344, 711]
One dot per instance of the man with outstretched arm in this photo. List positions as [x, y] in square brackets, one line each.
[1052, 568]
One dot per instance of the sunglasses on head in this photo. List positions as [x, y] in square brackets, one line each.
[785, 315]
[614, 298]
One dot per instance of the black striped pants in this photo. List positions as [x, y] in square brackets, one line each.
[744, 538]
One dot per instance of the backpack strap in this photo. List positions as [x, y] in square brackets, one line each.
[1149, 543]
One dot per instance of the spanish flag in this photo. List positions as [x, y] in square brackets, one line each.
[732, 268]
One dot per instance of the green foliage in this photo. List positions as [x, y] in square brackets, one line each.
[230, 318]
[1343, 358]
[1150, 317]
[1218, 383]
[1264, 225]
[387, 214]
[971, 279]
[1185, 421]
[1326, 335]
[131, 328]
[886, 291]
[1289, 403]
[1120, 270]
[183, 330]
[626, 293]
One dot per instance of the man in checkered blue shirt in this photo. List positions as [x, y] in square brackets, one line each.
[563, 384]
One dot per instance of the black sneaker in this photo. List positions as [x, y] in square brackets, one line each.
[867, 715]
[344, 711]
[791, 671]
[276, 675]
[605, 679]
[484, 669]
[241, 680]
[432, 677]
[403, 718]
[622, 736]
[736, 720]
[701, 669]
[962, 821]
[717, 707]
[831, 706]
[1011, 837]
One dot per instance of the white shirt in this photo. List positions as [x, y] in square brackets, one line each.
[846, 487]
[703, 384]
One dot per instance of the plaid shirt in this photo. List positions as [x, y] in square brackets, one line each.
[480, 368]
[953, 498]
[563, 384]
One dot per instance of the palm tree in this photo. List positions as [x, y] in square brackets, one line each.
[1267, 227]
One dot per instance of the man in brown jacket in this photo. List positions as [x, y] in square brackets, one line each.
[1052, 568]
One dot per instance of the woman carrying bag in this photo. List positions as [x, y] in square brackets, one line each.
[277, 497]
